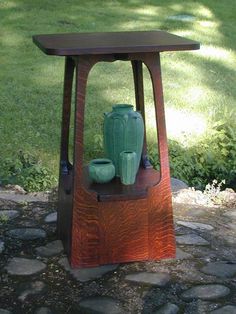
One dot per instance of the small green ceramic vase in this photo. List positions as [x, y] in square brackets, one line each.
[127, 166]
[101, 170]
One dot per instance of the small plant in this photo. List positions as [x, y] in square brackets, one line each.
[27, 171]
[212, 190]
[3, 219]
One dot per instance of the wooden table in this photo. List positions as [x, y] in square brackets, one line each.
[112, 223]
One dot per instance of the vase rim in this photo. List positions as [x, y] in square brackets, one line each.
[122, 107]
[101, 161]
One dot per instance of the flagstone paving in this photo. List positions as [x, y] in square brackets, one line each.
[2, 311]
[24, 266]
[8, 214]
[51, 217]
[180, 254]
[191, 239]
[36, 278]
[168, 308]
[205, 292]
[86, 274]
[27, 233]
[43, 310]
[34, 287]
[155, 279]
[104, 305]
[228, 309]
[231, 214]
[220, 269]
[50, 249]
[195, 225]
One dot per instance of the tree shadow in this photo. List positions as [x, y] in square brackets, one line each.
[33, 101]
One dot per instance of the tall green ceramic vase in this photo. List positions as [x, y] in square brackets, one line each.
[123, 131]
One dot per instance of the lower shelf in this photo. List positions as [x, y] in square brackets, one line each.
[116, 191]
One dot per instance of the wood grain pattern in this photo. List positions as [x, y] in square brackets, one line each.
[160, 215]
[128, 229]
[74, 44]
[120, 224]
[124, 231]
[85, 227]
[112, 223]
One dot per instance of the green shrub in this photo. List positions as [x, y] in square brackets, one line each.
[27, 171]
[213, 157]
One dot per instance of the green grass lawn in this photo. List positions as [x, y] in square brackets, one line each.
[202, 82]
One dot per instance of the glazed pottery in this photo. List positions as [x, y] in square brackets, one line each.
[123, 131]
[101, 170]
[127, 167]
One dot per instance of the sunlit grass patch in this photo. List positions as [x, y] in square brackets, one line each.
[199, 82]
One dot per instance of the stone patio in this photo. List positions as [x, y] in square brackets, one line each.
[36, 276]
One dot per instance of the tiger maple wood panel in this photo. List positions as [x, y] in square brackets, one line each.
[112, 224]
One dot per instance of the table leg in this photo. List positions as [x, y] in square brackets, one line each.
[139, 97]
[153, 64]
[85, 226]
[83, 67]
[65, 179]
[161, 232]
[66, 112]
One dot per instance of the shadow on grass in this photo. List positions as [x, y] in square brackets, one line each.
[32, 89]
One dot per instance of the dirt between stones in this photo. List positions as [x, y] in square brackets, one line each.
[201, 279]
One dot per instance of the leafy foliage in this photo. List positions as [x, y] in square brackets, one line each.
[3, 219]
[212, 158]
[202, 81]
[27, 171]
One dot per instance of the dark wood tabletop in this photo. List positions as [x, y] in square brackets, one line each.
[73, 44]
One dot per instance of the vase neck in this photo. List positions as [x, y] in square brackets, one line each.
[122, 108]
